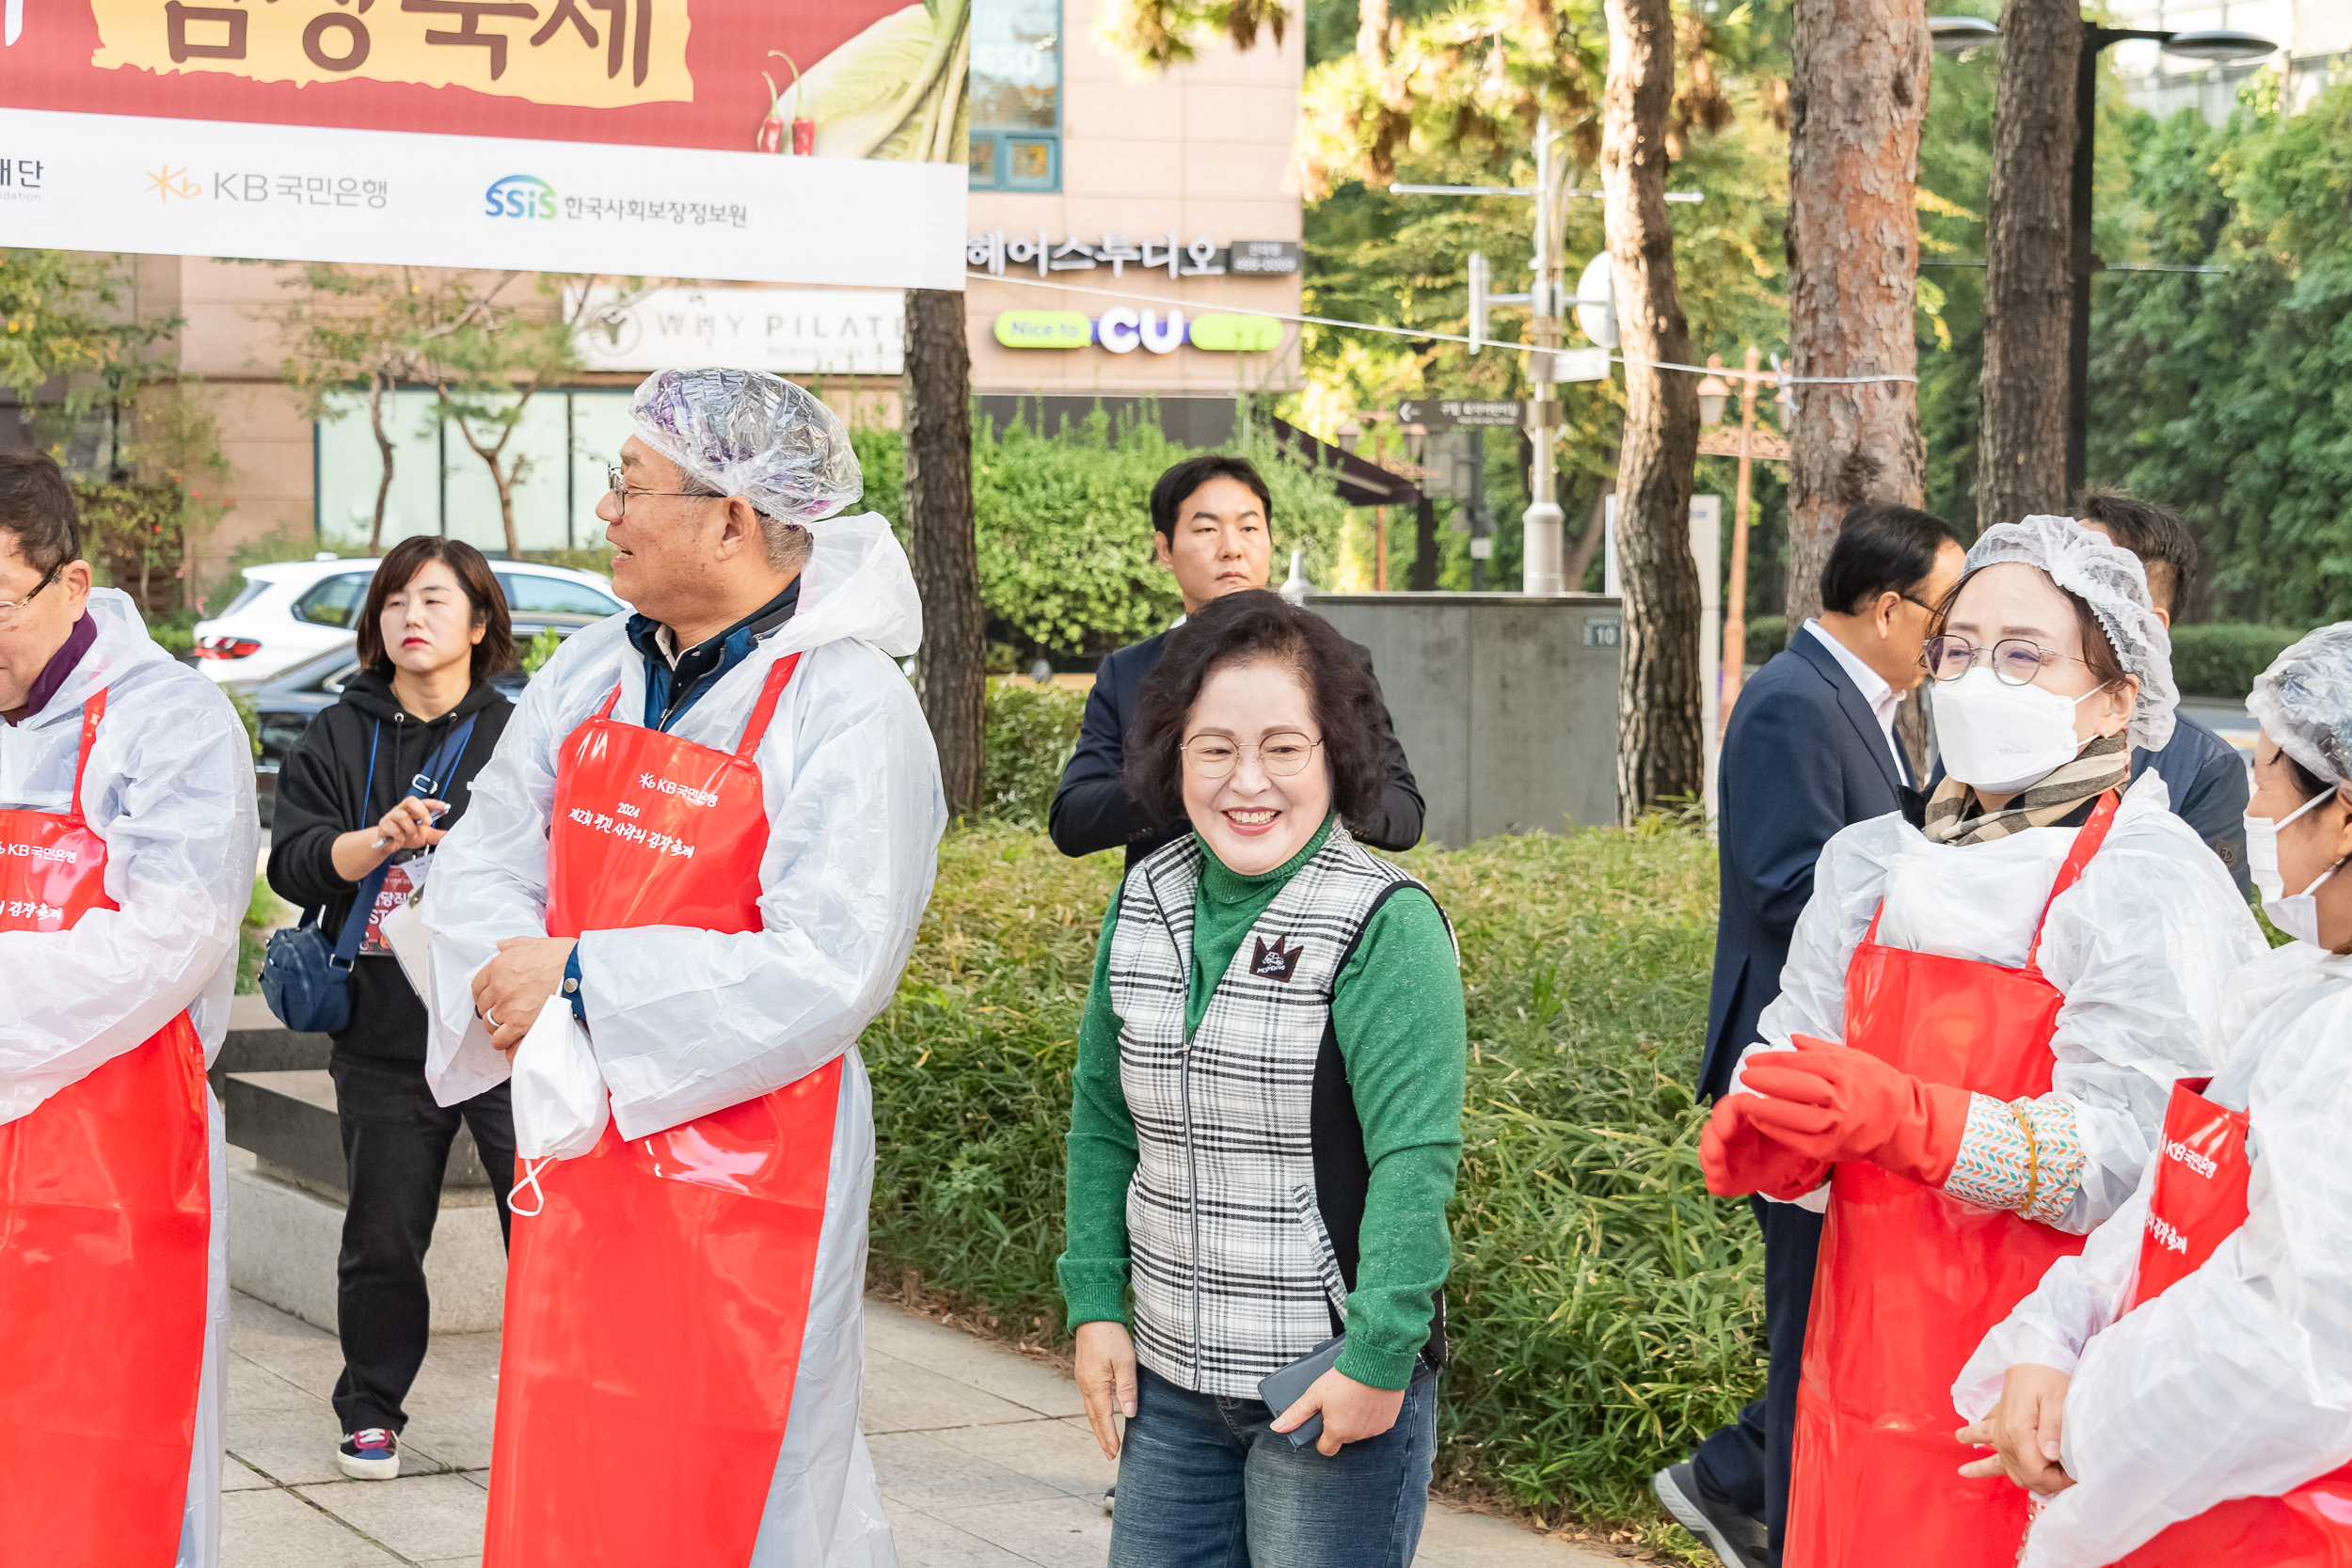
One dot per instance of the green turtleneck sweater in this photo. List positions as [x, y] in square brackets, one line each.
[1396, 1009]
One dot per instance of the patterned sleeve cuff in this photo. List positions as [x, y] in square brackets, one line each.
[2024, 1156]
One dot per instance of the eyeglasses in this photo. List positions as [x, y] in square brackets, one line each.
[621, 492]
[2015, 660]
[10, 608]
[1284, 756]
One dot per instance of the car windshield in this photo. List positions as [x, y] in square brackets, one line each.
[529, 593]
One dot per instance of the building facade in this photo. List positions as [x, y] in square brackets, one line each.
[1132, 237]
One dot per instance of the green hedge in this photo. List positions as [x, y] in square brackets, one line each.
[1767, 636]
[2222, 658]
[1605, 1311]
[1029, 733]
[1065, 537]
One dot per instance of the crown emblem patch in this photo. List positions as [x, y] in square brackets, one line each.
[1278, 962]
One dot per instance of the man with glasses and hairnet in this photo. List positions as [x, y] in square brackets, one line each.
[127, 842]
[709, 836]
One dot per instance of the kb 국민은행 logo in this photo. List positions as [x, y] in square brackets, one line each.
[519, 196]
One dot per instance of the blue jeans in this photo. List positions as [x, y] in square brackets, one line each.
[1206, 1482]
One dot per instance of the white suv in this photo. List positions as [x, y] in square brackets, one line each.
[290, 611]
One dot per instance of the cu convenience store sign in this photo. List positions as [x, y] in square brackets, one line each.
[642, 136]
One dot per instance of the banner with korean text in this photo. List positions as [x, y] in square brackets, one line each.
[823, 142]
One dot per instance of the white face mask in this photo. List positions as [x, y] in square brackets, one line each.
[2295, 914]
[2000, 738]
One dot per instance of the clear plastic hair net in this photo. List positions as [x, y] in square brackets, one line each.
[2110, 580]
[2304, 702]
[751, 434]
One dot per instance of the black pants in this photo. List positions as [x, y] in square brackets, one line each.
[1748, 1461]
[396, 1145]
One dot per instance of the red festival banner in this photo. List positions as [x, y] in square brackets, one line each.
[823, 142]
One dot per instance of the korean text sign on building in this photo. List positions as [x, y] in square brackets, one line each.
[821, 142]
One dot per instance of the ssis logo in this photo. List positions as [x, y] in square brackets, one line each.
[520, 196]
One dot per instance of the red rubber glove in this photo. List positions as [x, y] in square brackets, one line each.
[1738, 1158]
[1833, 1102]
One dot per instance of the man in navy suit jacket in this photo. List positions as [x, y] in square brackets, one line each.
[1811, 748]
[1213, 527]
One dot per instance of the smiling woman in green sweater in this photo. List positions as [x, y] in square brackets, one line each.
[1266, 1121]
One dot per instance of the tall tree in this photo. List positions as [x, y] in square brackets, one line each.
[487, 349]
[1660, 751]
[2021, 453]
[950, 672]
[1856, 103]
[342, 324]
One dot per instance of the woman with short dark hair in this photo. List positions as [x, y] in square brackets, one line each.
[376, 780]
[1266, 1122]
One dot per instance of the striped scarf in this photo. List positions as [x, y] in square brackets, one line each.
[1955, 815]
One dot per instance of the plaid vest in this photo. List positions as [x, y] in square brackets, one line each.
[1235, 1274]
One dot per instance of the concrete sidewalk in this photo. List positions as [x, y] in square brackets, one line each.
[985, 1460]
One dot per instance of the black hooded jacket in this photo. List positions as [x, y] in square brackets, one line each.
[324, 791]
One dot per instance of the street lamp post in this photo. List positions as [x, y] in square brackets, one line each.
[1962, 34]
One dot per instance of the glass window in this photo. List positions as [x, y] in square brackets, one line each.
[529, 593]
[254, 588]
[1016, 93]
[1029, 165]
[335, 602]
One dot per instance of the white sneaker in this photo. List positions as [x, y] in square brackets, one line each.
[372, 1453]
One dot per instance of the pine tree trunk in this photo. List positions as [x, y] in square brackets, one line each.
[949, 673]
[2020, 442]
[1658, 745]
[1857, 103]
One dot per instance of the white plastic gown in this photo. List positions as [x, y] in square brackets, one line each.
[170, 790]
[2142, 948]
[687, 1021]
[2237, 1381]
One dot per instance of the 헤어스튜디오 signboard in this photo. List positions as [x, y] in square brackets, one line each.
[821, 142]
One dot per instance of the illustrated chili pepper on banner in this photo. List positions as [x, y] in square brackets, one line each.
[772, 129]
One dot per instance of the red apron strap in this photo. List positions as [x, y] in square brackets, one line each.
[92, 711]
[779, 675]
[606, 711]
[2087, 842]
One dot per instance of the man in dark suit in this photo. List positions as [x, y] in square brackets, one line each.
[1811, 748]
[1213, 527]
[2202, 772]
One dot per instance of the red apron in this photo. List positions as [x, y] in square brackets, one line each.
[106, 1217]
[2197, 1201]
[1910, 1279]
[655, 1306]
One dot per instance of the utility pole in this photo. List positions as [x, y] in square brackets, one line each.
[1541, 546]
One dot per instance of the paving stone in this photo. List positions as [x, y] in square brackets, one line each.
[1049, 1451]
[902, 1397]
[924, 1542]
[956, 1354]
[419, 1517]
[1454, 1538]
[921, 1469]
[1065, 1532]
[274, 1529]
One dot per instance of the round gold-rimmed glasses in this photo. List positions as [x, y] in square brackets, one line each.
[1284, 756]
